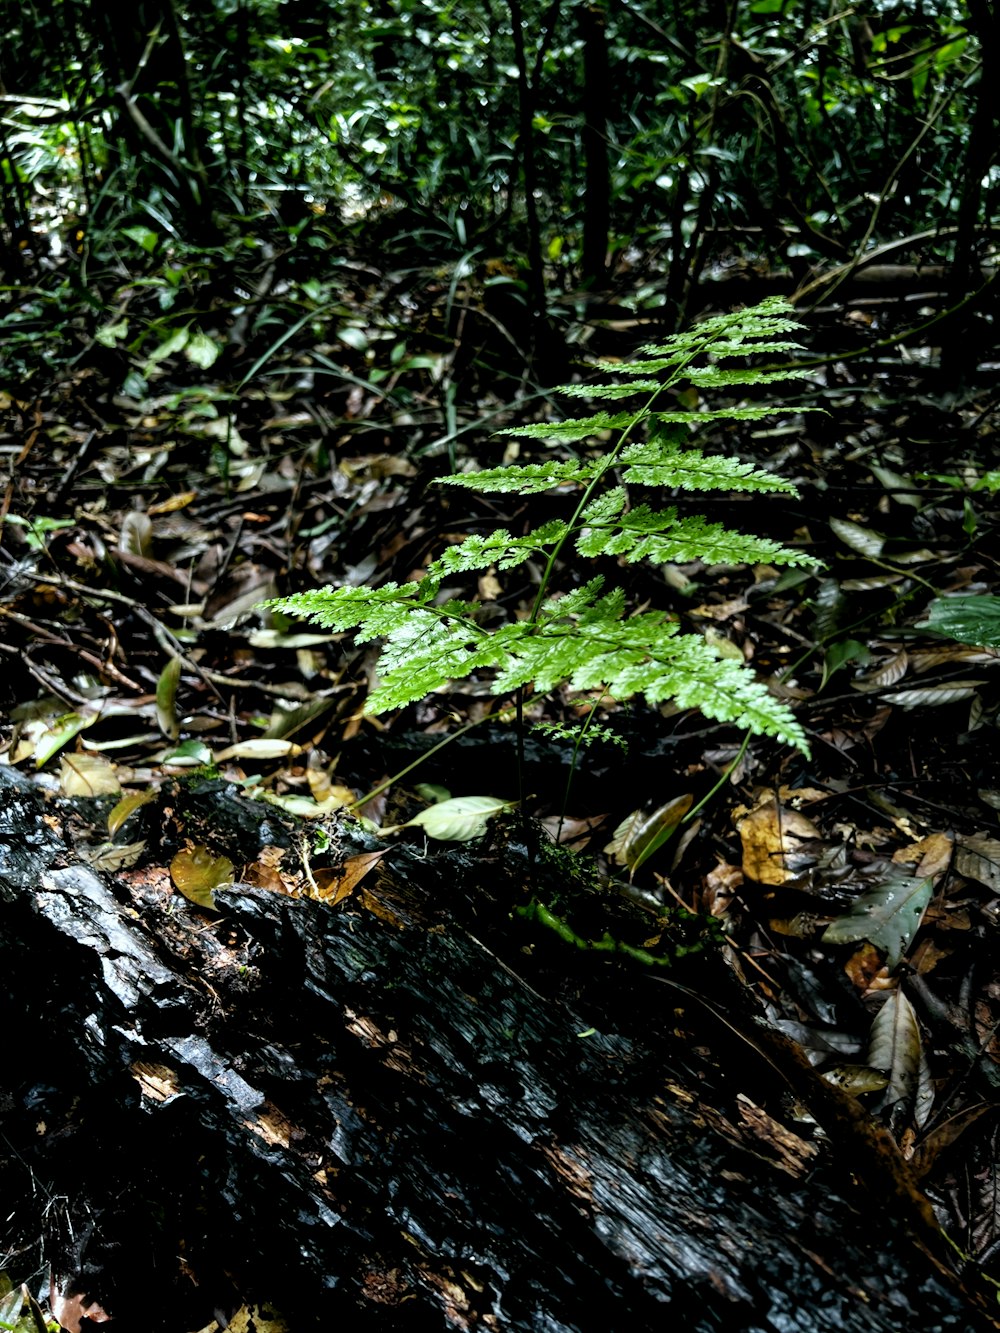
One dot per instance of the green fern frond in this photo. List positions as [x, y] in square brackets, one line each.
[372, 611]
[601, 391]
[659, 462]
[713, 377]
[572, 731]
[529, 479]
[499, 548]
[661, 537]
[583, 638]
[576, 428]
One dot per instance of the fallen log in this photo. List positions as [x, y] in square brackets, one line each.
[414, 1112]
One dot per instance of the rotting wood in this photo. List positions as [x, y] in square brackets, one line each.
[380, 1123]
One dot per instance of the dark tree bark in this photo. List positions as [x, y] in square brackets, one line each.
[597, 187]
[367, 1116]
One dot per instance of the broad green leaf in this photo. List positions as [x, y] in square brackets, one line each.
[888, 915]
[173, 342]
[840, 653]
[197, 873]
[459, 819]
[189, 754]
[202, 351]
[968, 619]
[143, 237]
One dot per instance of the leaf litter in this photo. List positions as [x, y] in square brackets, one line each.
[859, 891]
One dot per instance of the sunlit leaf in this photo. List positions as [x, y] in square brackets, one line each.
[197, 873]
[128, 805]
[459, 819]
[337, 884]
[888, 915]
[88, 775]
[59, 733]
[644, 832]
[260, 747]
[773, 836]
[895, 1047]
[202, 351]
[189, 754]
[306, 808]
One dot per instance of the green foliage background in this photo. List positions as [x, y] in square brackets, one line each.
[687, 136]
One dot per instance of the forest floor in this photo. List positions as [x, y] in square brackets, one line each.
[153, 501]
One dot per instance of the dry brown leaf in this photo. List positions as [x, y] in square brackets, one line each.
[930, 856]
[978, 857]
[334, 885]
[772, 837]
[888, 673]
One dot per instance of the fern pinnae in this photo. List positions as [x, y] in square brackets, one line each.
[584, 638]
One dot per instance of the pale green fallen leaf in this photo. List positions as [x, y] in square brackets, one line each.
[457, 820]
[59, 733]
[189, 754]
[166, 693]
[88, 775]
[259, 748]
[305, 807]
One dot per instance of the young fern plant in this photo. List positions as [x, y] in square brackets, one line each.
[584, 635]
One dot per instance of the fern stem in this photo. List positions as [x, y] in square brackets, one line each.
[452, 736]
[572, 762]
[724, 778]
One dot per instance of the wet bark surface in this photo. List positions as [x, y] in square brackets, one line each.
[415, 1113]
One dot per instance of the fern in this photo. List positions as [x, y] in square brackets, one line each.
[585, 638]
